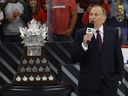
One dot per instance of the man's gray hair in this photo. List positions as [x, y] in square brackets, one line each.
[103, 10]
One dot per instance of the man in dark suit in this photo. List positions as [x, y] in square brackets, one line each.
[101, 69]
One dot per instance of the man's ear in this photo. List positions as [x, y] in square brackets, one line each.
[104, 18]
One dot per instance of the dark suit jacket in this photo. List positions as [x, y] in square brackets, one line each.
[95, 64]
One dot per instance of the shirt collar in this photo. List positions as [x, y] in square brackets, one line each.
[100, 29]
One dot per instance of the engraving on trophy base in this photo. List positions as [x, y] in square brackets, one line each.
[33, 51]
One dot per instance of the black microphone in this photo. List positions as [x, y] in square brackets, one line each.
[89, 30]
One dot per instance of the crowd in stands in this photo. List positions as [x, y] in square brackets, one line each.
[17, 13]
[64, 17]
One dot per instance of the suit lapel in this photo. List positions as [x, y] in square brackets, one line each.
[105, 39]
[94, 41]
[93, 44]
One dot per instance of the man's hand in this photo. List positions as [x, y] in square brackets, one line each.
[87, 38]
[68, 32]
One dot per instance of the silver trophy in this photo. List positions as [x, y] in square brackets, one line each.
[34, 37]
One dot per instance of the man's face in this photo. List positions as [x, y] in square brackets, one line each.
[97, 17]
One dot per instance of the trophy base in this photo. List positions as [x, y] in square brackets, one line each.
[51, 90]
[34, 70]
[35, 83]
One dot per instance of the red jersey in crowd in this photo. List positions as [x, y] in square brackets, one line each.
[39, 15]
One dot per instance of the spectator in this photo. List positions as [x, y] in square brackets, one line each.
[36, 12]
[63, 19]
[13, 13]
[42, 4]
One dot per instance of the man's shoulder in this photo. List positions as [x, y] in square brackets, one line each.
[110, 28]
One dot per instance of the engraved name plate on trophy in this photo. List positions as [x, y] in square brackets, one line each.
[18, 78]
[41, 69]
[24, 61]
[50, 77]
[31, 61]
[33, 51]
[34, 69]
[28, 69]
[22, 69]
[37, 61]
[44, 60]
[31, 78]
[44, 78]
[25, 78]
[38, 78]
[47, 69]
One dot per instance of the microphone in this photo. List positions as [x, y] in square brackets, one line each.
[89, 30]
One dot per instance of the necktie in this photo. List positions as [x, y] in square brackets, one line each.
[98, 40]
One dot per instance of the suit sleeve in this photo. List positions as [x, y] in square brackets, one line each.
[77, 52]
